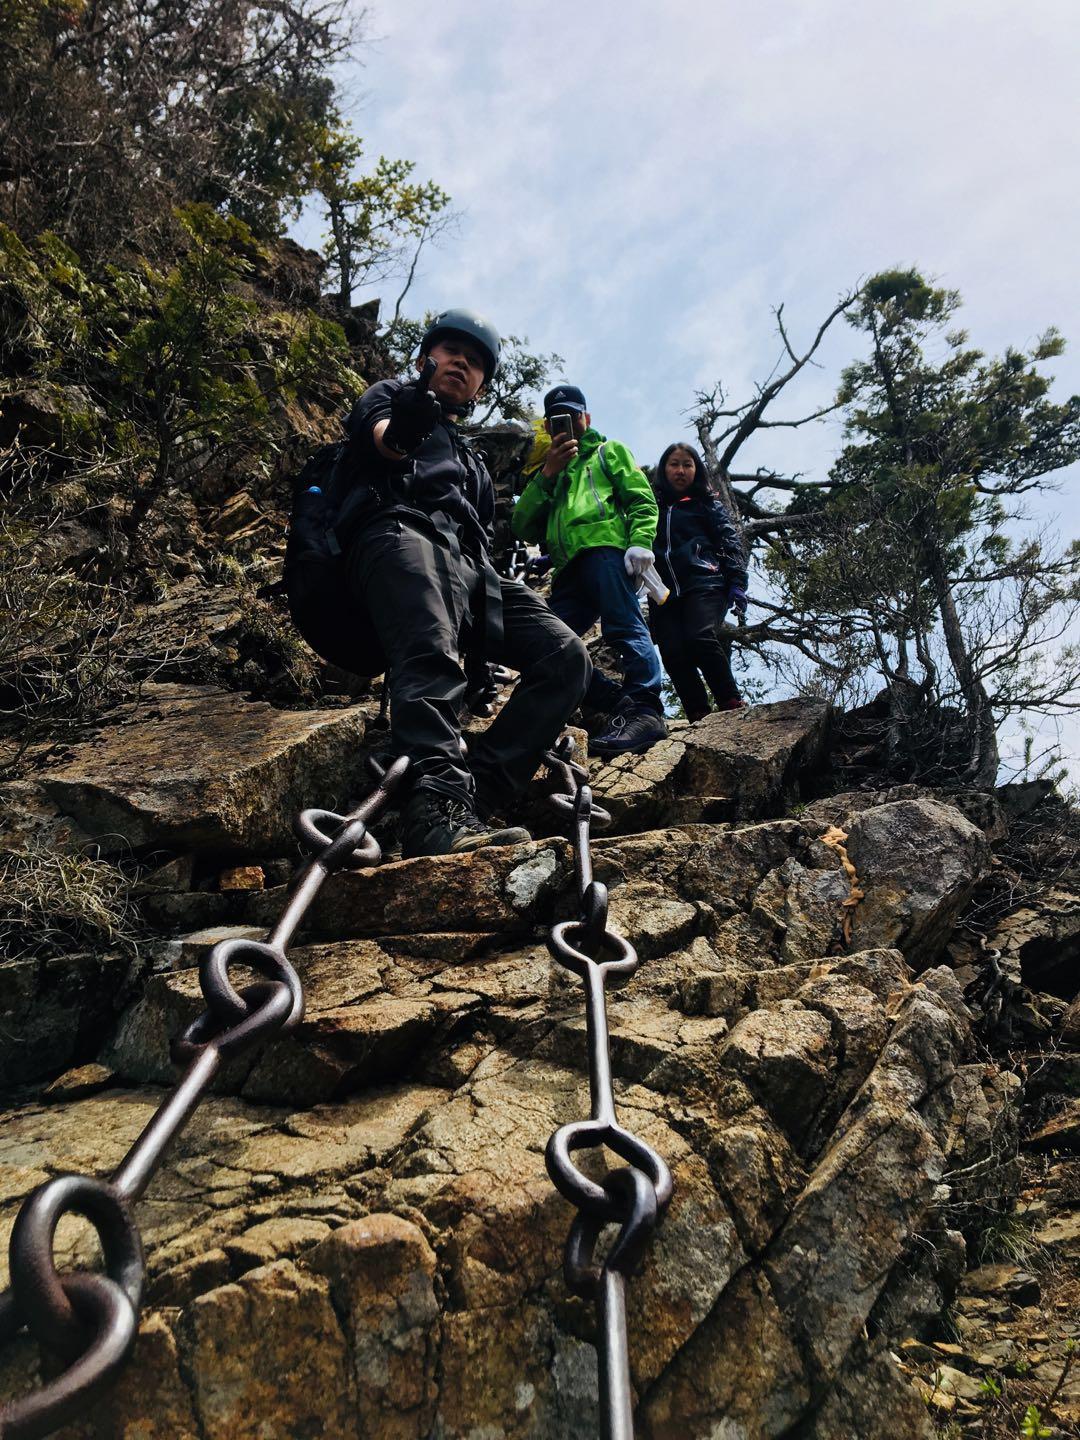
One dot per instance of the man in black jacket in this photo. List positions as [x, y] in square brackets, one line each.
[415, 529]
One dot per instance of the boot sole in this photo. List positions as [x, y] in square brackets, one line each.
[607, 752]
[513, 835]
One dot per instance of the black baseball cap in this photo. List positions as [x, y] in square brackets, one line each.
[564, 397]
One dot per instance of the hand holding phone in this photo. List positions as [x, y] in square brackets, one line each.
[564, 444]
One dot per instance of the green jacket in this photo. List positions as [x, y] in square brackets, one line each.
[599, 499]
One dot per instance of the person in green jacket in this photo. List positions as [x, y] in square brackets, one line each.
[596, 514]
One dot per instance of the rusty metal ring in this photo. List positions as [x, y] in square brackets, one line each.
[106, 1312]
[353, 849]
[634, 1192]
[325, 834]
[267, 1008]
[594, 915]
[39, 1292]
[586, 1194]
[218, 989]
[578, 961]
[563, 800]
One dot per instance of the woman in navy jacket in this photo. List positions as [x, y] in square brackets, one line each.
[700, 558]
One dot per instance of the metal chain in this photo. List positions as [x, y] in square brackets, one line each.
[91, 1320]
[635, 1196]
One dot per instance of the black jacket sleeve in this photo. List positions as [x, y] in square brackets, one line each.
[373, 406]
[729, 549]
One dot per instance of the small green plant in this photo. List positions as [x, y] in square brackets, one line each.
[991, 1387]
[1006, 1237]
[935, 1386]
[226, 569]
[1031, 1427]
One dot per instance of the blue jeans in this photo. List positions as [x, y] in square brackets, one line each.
[595, 586]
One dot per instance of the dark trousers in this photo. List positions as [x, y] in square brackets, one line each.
[687, 630]
[595, 586]
[419, 594]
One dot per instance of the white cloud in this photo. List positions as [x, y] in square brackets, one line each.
[640, 186]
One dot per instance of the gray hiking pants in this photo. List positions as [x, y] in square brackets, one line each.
[421, 595]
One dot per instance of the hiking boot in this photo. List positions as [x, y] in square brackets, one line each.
[737, 703]
[438, 824]
[631, 732]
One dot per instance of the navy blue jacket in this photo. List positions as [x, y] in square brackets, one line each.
[696, 545]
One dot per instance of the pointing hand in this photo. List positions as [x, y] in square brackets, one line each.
[414, 413]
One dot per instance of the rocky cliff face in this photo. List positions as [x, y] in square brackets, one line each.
[356, 1235]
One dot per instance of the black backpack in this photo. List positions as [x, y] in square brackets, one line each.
[314, 580]
[330, 498]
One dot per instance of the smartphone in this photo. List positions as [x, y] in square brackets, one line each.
[561, 425]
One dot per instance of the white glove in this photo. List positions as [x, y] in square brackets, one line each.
[637, 560]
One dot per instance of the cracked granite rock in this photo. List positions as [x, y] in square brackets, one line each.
[356, 1235]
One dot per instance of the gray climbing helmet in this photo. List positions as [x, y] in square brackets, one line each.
[465, 322]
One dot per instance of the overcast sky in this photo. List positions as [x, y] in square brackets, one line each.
[639, 185]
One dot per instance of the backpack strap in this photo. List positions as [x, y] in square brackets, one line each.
[603, 461]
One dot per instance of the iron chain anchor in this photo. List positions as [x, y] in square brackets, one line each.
[635, 1196]
[90, 1321]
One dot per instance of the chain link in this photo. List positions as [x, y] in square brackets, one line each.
[90, 1321]
[634, 1196]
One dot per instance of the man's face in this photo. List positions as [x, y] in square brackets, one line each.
[460, 374]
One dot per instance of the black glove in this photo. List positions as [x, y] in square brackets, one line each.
[414, 413]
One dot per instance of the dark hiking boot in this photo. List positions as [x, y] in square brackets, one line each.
[437, 824]
[736, 703]
[631, 732]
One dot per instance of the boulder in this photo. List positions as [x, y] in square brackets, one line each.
[382, 1275]
[732, 765]
[1040, 942]
[269, 1361]
[57, 1011]
[1062, 1132]
[755, 757]
[918, 862]
[981, 808]
[190, 768]
[46, 414]
[508, 888]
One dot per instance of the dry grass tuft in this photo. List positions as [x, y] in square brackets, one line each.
[51, 904]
